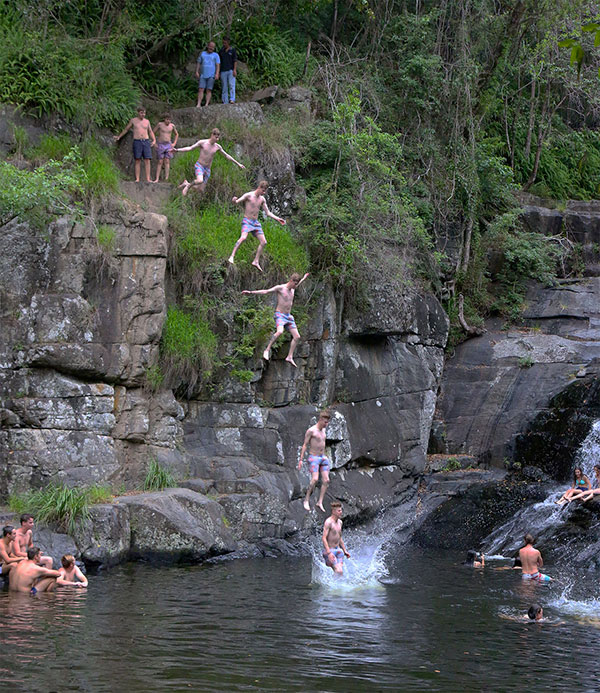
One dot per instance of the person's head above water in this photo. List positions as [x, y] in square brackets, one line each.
[528, 538]
[472, 557]
[535, 612]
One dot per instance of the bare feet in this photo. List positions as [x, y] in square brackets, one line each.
[258, 267]
[266, 355]
[181, 185]
[137, 180]
[306, 505]
[320, 506]
[289, 359]
[186, 189]
[155, 181]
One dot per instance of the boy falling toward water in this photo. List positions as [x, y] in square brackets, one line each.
[208, 149]
[253, 201]
[333, 545]
[142, 149]
[315, 439]
[164, 146]
[283, 317]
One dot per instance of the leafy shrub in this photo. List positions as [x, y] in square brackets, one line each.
[102, 175]
[60, 506]
[158, 477]
[53, 147]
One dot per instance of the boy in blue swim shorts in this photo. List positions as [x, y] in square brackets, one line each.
[143, 141]
[283, 318]
[253, 202]
[315, 441]
[334, 549]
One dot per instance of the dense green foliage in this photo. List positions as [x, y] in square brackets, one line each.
[60, 506]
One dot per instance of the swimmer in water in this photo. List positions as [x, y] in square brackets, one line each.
[30, 577]
[535, 613]
[333, 544]
[531, 561]
[70, 575]
[474, 559]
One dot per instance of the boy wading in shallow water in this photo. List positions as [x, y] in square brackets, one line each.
[283, 317]
[29, 576]
[142, 149]
[315, 439]
[164, 146]
[333, 544]
[253, 201]
[208, 149]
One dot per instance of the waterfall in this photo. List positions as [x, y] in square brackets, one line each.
[542, 518]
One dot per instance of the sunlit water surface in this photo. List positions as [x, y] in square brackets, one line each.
[287, 625]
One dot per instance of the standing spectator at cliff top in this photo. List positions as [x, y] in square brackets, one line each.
[228, 57]
[210, 64]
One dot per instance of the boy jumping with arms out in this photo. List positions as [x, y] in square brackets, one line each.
[253, 202]
[142, 149]
[283, 318]
[315, 439]
[333, 544]
[164, 147]
[208, 149]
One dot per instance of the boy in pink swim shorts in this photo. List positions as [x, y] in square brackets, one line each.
[315, 440]
[164, 147]
[253, 202]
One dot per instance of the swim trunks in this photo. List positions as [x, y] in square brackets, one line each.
[338, 556]
[316, 462]
[206, 83]
[33, 590]
[251, 226]
[142, 149]
[164, 150]
[538, 577]
[203, 171]
[285, 320]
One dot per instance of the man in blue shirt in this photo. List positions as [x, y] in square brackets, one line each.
[210, 64]
[228, 57]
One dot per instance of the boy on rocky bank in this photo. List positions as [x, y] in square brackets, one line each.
[314, 440]
[142, 148]
[283, 317]
[164, 147]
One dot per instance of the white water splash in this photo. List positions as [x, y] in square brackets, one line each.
[589, 453]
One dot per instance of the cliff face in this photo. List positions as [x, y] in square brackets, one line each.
[82, 325]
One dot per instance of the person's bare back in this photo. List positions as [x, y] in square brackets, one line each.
[30, 577]
[531, 559]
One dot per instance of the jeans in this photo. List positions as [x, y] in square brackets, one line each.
[228, 84]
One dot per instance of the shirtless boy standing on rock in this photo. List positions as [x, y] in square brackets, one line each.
[253, 201]
[208, 149]
[142, 149]
[333, 544]
[315, 439]
[283, 317]
[164, 147]
[531, 561]
[29, 576]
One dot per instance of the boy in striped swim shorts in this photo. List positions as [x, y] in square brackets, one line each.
[283, 317]
[531, 562]
[253, 202]
[314, 440]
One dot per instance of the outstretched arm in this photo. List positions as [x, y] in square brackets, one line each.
[243, 198]
[228, 156]
[270, 214]
[129, 125]
[189, 149]
[307, 438]
[272, 290]
[303, 278]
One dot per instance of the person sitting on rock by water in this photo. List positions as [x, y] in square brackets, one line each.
[31, 577]
[8, 560]
[208, 149]
[70, 574]
[164, 130]
[580, 483]
[531, 562]
[315, 439]
[253, 202]
[333, 544]
[24, 539]
[475, 559]
[142, 149]
[283, 317]
[588, 494]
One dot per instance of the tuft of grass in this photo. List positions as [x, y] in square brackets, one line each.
[60, 506]
[53, 147]
[154, 377]
[102, 174]
[526, 362]
[106, 238]
[21, 140]
[158, 477]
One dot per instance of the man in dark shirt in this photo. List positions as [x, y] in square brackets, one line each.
[228, 56]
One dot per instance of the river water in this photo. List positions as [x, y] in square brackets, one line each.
[285, 625]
